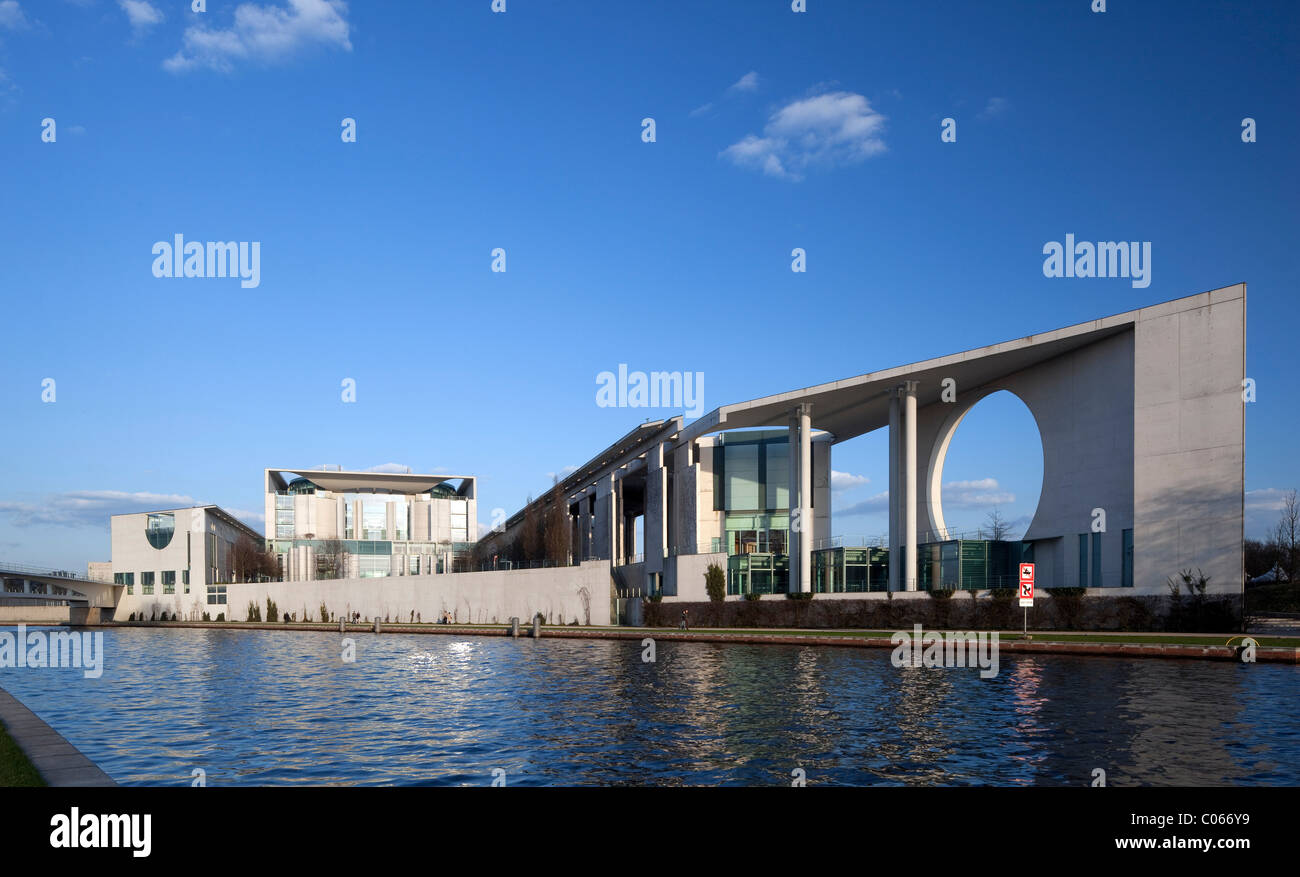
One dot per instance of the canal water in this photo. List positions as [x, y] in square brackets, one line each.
[273, 708]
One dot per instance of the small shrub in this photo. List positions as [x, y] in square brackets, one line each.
[272, 611]
[715, 583]
[221, 616]
[798, 595]
[324, 613]
[206, 617]
[656, 597]
[753, 597]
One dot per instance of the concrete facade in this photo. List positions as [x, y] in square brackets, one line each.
[1140, 416]
[186, 565]
[563, 595]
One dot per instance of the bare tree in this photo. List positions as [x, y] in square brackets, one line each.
[332, 559]
[557, 528]
[252, 561]
[533, 542]
[1286, 534]
[996, 528]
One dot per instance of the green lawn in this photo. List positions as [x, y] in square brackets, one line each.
[15, 769]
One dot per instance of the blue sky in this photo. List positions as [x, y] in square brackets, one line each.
[523, 131]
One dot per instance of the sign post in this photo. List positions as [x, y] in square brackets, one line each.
[1026, 591]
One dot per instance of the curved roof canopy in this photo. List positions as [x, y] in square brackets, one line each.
[364, 482]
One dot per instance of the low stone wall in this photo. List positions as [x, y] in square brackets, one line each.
[1090, 612]
[562, 594]
[34, 615]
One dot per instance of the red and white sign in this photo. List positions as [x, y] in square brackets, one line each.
[1026, 584]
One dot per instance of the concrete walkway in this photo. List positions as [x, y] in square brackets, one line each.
[58, 761]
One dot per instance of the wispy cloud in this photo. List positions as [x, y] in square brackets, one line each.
[142, 14]
[997, 106]
[983, 492]
[80, 508]
[564, 473]
[390, 468]
[1263, 509]
[12, 16]
[846, 481]
[699, 111]
[264, 34]
[874, 505]
[748, 82]
[826, 131]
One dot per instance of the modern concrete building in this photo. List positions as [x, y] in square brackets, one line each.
[337, 524]
[177, 561]
[1142, 423]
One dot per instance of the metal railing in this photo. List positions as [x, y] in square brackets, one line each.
[50, 572]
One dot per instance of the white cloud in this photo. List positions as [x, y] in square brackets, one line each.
[975, 494]
[699, 111]
[829, 130]
[1263, 510]
[996, 106]
[12, 15]
[845, 481]
[142, 14]
[1267, 499]
[390, 469]
[562, 474]
[266, 34]
[874, 505]
[80, 508]
[253, 519]
[748, 82]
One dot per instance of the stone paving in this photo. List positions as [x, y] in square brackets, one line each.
[58, 761]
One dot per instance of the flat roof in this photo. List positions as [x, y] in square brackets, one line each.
[854, 406]
[344, 481]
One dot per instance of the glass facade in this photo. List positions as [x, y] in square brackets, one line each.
[159, 527]
[283, 517]
[169, 581]
[752, 488]
[1126, 576]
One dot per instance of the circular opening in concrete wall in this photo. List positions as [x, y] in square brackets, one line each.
[991, 474]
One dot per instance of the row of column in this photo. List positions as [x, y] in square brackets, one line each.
[902, 486]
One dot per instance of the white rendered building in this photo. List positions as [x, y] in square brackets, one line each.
[338, 524]
[177, 561]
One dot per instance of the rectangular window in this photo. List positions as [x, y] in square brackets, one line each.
[1126, 577]
[216, 595]
[169, 581]
[146, 583]
[1096, 560]
[741, 483]
[185, 579]
[1083, 560]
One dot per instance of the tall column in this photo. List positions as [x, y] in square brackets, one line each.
[895, 499]
[801, 540]
[584, 526]
[805, 498]
[909, 481]
[796, 484]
